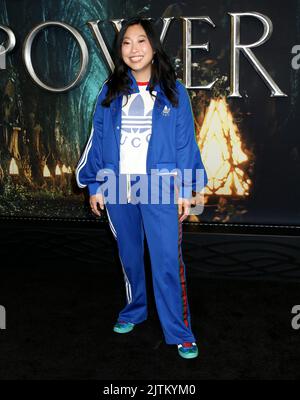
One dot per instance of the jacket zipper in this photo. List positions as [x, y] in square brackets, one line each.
[154, 111]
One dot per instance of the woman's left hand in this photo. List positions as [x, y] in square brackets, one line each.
[184, 206]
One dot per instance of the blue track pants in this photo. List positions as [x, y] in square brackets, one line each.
[129, 223]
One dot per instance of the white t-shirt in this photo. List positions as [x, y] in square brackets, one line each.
[136, 128]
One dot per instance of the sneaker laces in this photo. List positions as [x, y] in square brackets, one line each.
[187, 347]
[124, 323]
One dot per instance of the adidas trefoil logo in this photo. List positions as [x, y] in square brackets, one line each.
[166, 111]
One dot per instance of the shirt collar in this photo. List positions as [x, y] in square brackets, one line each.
[134, 86]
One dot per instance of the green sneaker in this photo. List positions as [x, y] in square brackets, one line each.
[188, 350]
[123, 327]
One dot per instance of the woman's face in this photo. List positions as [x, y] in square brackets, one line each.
[137, 52]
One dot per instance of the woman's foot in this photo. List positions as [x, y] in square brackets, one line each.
[188, 349]
[123, 327]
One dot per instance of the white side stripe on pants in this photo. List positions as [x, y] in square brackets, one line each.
[111, 225]
[127, 283]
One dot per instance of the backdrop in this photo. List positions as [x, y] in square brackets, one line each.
[250, 144]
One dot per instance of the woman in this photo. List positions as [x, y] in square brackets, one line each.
[143, 127]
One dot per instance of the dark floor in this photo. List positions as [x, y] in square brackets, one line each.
[62, 288]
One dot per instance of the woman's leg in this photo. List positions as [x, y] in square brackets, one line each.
[164, 233]
[126, 225]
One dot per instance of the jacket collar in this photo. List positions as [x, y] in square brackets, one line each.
[134, 86]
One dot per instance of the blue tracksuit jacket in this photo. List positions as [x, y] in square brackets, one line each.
[172, 144]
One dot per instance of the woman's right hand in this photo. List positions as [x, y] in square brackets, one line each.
[94, 201]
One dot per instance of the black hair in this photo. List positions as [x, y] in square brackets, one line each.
[162, 71]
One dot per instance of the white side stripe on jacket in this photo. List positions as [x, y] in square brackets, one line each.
[84, 157]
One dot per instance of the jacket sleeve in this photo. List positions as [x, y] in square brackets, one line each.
[188, 155]
[91, 160]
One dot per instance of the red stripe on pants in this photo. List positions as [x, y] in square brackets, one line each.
[182, 279]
